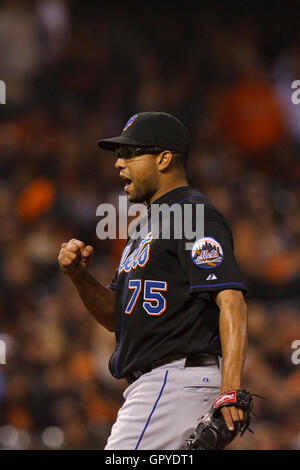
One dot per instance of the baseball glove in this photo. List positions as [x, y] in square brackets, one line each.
[212, 432]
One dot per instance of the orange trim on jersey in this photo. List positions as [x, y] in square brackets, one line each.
[137, 295]
[136, 254]
[155, 300]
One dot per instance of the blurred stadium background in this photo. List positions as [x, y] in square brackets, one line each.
[76, 71]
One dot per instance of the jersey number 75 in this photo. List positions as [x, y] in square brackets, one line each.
[153, 301]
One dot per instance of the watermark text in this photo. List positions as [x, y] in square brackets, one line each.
[296, 354]
[2, 352]
[177, 221]
[295, 97]
[2, 92]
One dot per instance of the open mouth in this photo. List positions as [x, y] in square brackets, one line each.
[128, 182]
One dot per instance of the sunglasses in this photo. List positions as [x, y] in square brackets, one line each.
[126, 152]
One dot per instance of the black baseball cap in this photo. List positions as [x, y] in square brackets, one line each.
[152, 129]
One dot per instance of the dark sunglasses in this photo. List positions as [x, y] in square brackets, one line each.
[126, 152]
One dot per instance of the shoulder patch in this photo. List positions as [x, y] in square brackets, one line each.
[207, 253]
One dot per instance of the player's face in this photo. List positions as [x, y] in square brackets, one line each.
[140, 175]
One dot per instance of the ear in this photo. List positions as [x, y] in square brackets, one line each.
[164, 160]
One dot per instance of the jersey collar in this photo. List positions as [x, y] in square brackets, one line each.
[171, 197]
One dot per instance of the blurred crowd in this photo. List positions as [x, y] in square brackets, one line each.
[75, 72]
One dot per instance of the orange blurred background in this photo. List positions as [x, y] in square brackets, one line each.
[75, 73]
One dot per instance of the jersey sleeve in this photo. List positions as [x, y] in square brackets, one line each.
[209, 262]
[112, 285]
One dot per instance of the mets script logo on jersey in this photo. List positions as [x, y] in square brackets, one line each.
[129, 122]
[207, 253]
[138, 257]
[227, 397]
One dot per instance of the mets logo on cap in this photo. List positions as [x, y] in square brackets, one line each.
[207, 253]
[130, 122]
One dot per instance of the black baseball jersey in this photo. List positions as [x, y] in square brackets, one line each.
[162, 288]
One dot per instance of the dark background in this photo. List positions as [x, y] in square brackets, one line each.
[76, 71]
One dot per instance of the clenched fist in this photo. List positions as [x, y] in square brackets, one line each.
[74, 257]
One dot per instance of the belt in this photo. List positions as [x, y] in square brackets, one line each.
[192, 360]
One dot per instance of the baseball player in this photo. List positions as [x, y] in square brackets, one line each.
[178, 313]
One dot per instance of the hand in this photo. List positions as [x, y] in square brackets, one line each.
[74, 257]
[231, 414]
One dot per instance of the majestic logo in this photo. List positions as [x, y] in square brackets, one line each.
[227, 397]
[207, 253]
[211, 277]
[130, 122]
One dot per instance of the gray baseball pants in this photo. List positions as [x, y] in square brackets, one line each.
[162, 407]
